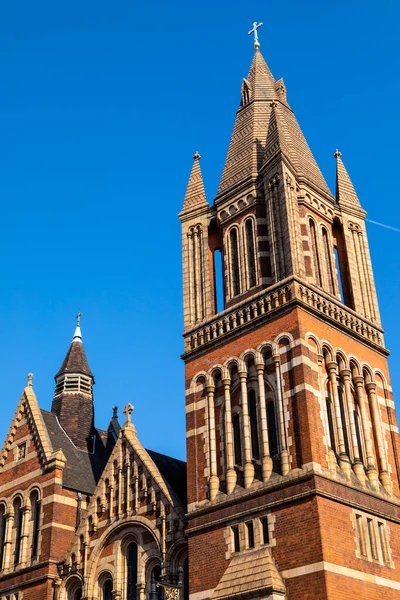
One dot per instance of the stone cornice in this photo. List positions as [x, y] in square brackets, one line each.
[267, 304]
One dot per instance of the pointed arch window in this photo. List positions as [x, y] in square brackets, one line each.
[237, 440]
[328, 261]
[107, 590]
[314, 248]
[250, 253]
[156, 593]
[3, 522]
[330, 413]
[132, 571]
[18, 518]
[35, 521]
[78, 594]
[255, 448]
[235, 274]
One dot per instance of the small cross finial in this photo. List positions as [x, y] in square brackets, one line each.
[196, 156]
[115, 412]
[30, 377]
[273, 103]
[127, 412]
[78, 318]
[254, 30]
[337, 154]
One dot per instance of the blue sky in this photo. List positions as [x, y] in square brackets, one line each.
[102, 107]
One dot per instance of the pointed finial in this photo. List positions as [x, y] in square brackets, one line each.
[254, 30]
[337, 154]
[115, 412]
[78, 335]
[196, 156]
[127, 412]
[30, 377]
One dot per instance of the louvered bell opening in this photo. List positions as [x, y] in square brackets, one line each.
[74, 383]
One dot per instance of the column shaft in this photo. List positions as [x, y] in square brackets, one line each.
[282, 430]
[214, 479]
[266, 460]
[230, 460]
[248, 465]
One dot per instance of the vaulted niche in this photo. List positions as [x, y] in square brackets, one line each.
[216, 267]
[342, 265]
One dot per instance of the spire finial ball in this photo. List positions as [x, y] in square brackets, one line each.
[30, 378]
[337, 154]
[196, 156]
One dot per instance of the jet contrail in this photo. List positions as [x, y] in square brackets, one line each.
[382, 225]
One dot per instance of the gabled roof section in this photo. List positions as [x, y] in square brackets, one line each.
[75, 360]
[345, 192]
[251, 574]
[83, 469]
[288, 138]
[195, 196]
[28, 407]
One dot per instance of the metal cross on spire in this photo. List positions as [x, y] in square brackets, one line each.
[254, 30]
[78, 318]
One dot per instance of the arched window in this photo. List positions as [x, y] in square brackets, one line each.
[272, 431]
[3, 522]
[357, 423]
[132, 571]
[250, 254]
[328, 261]
[107, 589]
[237, 440]
[255, 449]
[342, 264]
[78, 594]
[235, 276]
[156, 593]
[314, 248]
[17, 530]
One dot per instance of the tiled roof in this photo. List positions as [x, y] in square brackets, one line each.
[83, 469]
[345, 192]
[249, 146]
[250, 574]
[195, 196]
[75, 361]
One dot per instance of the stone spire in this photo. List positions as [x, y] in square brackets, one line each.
[195, 196]
[254, 121]
[346, 195]
[73, 396]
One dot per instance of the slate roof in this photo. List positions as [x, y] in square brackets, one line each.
[83, 469]
[75, 361]
[173, 471]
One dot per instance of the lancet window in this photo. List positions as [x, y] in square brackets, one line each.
[35, 522]
[3, 522]
[250, 254]
[234, 259]
[132, 571]
[18, 518]
[328, 261]
[107, 589]
[315, 253]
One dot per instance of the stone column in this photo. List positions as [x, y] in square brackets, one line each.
[371, 470]
[331, 455]
[344, 461]
[128, 484]
[214, 479]
[230, 460]
[358, 467]
[282, 430]
[248, 464]
[266, 460]
[376, 419]
[24, 552]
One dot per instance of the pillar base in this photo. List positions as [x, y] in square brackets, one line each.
[345, 465]
[231, 478]
[285, 462]
[214, 486]
[266, 467]
[373, 477]
[386, 481]
[248, 474]
[358, 469]
[332, 462]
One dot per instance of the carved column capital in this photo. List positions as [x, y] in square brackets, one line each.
[345, 374]
[332, 366]
[371, 386]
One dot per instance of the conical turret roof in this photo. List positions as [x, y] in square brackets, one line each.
[345, 192]
[250, 147]
[195, 196]
[75, 360]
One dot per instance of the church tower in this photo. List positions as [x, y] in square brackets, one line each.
[292, 440]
